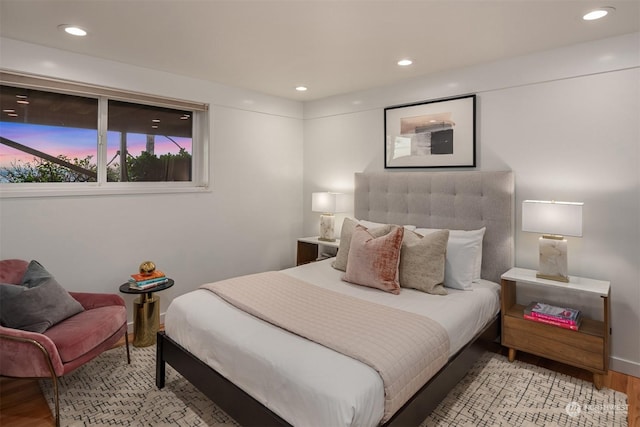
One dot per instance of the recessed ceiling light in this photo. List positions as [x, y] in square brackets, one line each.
[405, 62]
[598, 13]
[301, 88]
[74, 30]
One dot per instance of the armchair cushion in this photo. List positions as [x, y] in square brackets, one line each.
[38, 304]
[81, 333]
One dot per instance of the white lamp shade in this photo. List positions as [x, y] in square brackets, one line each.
[550, 217]
[327, 202]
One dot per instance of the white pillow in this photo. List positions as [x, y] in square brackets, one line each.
[370, 224]
[464, 257]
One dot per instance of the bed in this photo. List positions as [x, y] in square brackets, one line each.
[263, 375]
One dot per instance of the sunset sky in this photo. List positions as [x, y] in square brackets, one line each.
[74, 142]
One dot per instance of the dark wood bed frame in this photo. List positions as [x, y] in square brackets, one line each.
[454, 200]
[248, 412]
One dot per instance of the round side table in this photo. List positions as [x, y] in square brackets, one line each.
[146, 313]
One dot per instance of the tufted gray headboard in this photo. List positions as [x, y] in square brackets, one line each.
[449, 200]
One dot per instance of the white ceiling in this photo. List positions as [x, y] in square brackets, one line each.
[332, 47]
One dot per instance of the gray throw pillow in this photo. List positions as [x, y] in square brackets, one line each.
[36, 305]
[422, 261]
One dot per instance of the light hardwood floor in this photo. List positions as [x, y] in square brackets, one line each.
[22, 402]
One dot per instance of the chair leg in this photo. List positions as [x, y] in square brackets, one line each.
[126, 343]
[56, 399]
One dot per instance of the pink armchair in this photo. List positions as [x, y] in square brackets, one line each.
[66, 345]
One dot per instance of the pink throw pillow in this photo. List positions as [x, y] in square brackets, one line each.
[373, 261]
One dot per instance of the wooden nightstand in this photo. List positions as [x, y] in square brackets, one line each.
[310, 249]
[587, 348]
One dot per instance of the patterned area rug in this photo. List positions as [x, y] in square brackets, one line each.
[108, 392]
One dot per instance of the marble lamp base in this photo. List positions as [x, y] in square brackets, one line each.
[327, 222]
[553, 258]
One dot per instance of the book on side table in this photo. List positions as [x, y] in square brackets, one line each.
[563, 317]
[141, 282]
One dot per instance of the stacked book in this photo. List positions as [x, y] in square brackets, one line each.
[146, 281]
[568, 318]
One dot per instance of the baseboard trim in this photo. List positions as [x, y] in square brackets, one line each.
[624, 366]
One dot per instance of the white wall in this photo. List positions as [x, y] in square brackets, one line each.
[565, 121]
[247, 223]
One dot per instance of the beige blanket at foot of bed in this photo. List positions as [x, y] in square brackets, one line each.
[406, 349]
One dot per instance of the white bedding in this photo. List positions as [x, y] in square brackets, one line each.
[303, 382]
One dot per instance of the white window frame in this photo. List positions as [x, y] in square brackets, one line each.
[200, 142]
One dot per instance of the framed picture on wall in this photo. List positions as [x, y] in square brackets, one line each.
[431, 134]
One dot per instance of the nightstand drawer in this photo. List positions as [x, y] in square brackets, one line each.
[571, 347]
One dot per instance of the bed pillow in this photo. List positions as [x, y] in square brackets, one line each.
[348, 226]
[374, 261]
[464, 257]
[38, 303]
[422, 261]
[369, 224]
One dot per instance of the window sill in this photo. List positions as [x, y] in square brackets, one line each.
[8, 191]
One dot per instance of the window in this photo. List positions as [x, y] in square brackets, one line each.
[146, 143]
[54, 133]
[47, 137]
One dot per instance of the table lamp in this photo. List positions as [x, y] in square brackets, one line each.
[555, 220]
[327, 204]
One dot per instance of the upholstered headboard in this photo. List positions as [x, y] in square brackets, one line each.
[448, 200]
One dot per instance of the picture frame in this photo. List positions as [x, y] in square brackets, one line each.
[431, 134]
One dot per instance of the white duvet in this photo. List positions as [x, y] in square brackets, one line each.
[303, 382]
